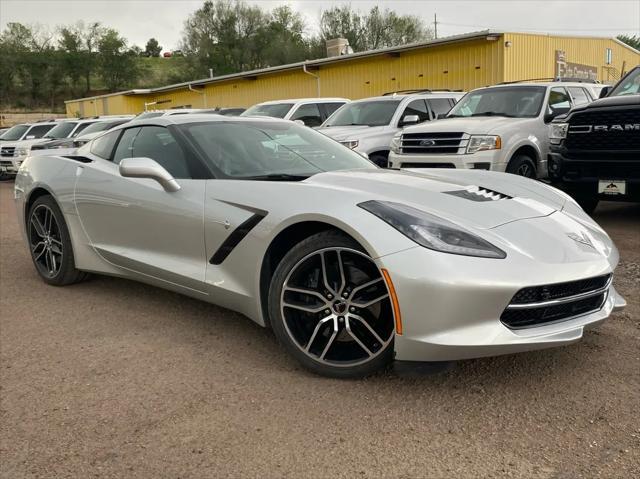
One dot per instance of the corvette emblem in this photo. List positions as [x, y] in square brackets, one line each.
[427, 143]
[581, 238]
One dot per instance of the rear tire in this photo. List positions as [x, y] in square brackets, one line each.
[522, 165]
[50, 244]
[330, 309]
[381, 160]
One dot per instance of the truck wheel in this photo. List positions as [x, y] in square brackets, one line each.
[379, 159]
[587, 203]
[522, 165]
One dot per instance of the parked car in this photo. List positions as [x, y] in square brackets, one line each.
[368, 125]
[229, 111]
[310, 111]
[82, 133]
[16, 141]
[352, 266]
[595, 149]
[177, 111]
[498, 128]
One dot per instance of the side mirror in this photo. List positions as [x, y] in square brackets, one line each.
[410, 120]
[604, 92]
[555, 112]
[148, 168]
[300, 122]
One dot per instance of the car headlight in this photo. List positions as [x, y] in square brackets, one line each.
[432, 231]
[484, 142]
[350, 143]
[396, 143]
[22, 151]
[558, 132]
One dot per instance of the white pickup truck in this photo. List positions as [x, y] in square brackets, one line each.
[498, 128]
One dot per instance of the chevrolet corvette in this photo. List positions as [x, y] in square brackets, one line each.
[351, 266]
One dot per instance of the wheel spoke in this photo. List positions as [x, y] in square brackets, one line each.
[47, 261]
[304, 308]
[37, 255]
[343, 280]
[54, 263]
[356, 339]
[331, 339]
[48, 217]
[324, 275]
[366, 325]
[310, 292]
[370, 303]
[35, 221]
[315, 332]
[364, 286]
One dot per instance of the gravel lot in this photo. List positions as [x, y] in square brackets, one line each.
[111, 378]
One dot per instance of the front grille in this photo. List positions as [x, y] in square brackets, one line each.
[604, 169]
[7, 151]
[6, 163]
[538, 305]
[433, 143]
[427, 165]
[586, 130]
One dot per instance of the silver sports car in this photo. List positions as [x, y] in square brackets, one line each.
[352, 266]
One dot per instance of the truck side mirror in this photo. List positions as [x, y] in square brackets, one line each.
[604, 92]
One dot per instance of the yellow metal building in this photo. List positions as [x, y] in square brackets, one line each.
[461, 62]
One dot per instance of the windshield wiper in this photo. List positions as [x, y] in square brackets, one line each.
[277, 177]
[493, 113]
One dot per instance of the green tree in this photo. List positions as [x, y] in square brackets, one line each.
[116, 66]
[153, 48]
[631, 40]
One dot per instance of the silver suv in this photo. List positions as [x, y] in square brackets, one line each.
[368, 125]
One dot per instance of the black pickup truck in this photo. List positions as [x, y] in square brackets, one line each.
[595, 149]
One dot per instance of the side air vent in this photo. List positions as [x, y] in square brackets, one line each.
[81, 159]
[477, 193]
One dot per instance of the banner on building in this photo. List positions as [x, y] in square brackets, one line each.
[565, 69]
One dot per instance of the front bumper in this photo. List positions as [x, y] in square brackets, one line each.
[451, 305]
[10, 166]
[582, 175]
[482, 160]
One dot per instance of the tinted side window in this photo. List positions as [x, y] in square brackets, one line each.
[79, 128]
[331, 107]
[39, 131]
[309, 114]
[416, 107]
[579, 95]
[439, 106]
[158, 143]
[559, 98]
[125, 145]
[103, 146]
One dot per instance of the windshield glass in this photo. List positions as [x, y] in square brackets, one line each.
[252, 150]
[274, 110]
[61, 130]
[14, 133]
[101, 126]
[516, 102]
[364, 113]
[629, 85]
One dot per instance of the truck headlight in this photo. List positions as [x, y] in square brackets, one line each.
[483, 142]
[350, 143]
[396, 143]
[558, 132]
[22, 151]
[432, 231]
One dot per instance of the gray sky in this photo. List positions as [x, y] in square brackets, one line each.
[139, 20]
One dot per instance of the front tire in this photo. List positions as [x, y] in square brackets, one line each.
[330, 309]
[522, 165]
[50, 243]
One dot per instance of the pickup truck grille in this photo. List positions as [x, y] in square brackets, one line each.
[7, 151]
[605, 130]
[539, 305]
[433, 143]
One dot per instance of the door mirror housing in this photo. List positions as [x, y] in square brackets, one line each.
[410, 120]
[604, 92]
[148, 168]
[555, 112]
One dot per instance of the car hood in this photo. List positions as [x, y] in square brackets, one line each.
[480, 125]
[460, 196]
[348, 132]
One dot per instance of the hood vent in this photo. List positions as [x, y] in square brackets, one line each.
[478, 193]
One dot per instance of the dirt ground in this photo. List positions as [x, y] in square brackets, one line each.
[111, 378]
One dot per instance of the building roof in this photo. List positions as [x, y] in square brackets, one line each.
[488, 34]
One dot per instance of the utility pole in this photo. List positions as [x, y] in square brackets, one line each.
[435, 25]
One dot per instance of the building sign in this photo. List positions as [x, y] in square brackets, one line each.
[565, 69]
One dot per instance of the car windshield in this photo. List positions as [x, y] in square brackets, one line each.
[269, 150]
[14, 133]
[514, 102]
[274, 110]
[101, 126]
[628, 86]
[61, 130]
[364, 113]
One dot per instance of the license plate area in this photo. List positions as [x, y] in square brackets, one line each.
[612, 187]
